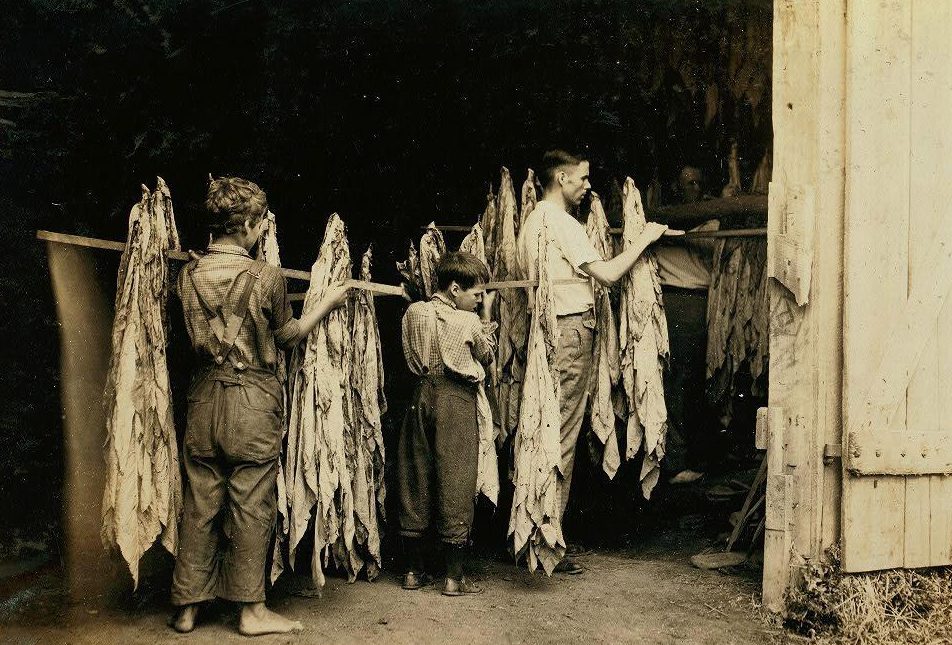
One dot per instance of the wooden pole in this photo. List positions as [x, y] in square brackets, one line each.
[376, 288]
[111, 245]
[690, 235]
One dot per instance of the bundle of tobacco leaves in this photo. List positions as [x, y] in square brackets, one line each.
[643, 339]
[143, 493]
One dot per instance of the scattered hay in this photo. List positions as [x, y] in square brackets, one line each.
[897, 606]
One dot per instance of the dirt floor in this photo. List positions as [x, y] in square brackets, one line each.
[644, 593]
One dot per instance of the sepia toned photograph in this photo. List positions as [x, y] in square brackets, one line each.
[551, 321]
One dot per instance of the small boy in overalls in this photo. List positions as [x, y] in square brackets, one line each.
[237, 313]
[447, 346]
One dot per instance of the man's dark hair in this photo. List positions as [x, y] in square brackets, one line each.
[552, 162]
[465, 269]
[231, 201]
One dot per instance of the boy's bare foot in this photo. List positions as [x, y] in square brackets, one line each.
[256, 619]
[184, 621]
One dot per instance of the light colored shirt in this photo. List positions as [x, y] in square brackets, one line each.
[569, 249]
[686, 265]
[439, 338]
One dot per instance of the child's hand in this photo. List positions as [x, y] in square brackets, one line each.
[489, 297]
[337, 294]
[653, 231]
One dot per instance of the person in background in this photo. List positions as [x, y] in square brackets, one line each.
[685, 272]
[564, 180]
[448, 347]
[237, 313]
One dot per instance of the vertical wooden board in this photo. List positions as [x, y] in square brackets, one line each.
[931, 218]
[792, 352]
[873, 522]
[828, 272]
[776, 538]
[795, 44]
[85, 313]
[940, 487]
[917, 524]
[831, 517]
[876, 255]
[940, 526]
[922, 393]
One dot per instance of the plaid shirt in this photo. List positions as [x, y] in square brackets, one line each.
[270, 321]
[439, 338]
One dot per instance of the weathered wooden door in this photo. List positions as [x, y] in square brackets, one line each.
[897, 404]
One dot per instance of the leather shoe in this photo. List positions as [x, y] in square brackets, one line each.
[413, 580]
[459, 587]
[569, 566]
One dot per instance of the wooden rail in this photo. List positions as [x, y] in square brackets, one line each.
[376, 288]
[111, 245]
[690, 235]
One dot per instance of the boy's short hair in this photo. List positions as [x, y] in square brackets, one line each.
[231, 201]
[465, 269]
[552, 162]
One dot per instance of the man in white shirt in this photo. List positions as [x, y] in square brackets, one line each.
[564, 179]
[685, 272]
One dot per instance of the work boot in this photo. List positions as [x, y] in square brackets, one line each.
[414, 578]
[457, 584]
[569, 566]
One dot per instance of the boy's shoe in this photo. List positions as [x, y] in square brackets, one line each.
[460, 587]
[569, 566]
[574, 550]
[685, 477]
[413, 580]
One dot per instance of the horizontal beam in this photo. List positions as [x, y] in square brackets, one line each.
[376, 288]
[111, 245]
[899, 453]
[678, 215]
[690, 235]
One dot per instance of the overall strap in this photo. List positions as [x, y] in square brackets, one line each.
[226, 323]
[433, 336]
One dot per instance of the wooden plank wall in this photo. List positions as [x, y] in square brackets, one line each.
[898, 201]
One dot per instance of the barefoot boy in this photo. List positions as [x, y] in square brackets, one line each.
[446, 346]
[237, 312]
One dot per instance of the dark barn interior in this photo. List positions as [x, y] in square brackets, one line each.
[391, 114]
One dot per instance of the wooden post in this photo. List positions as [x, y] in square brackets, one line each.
[84, 362]
[805, 248]
[777, 515]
